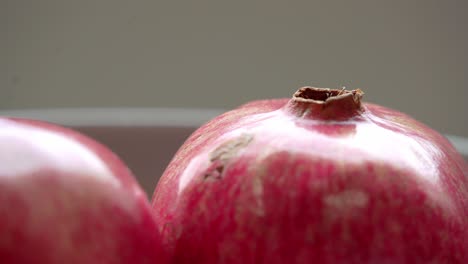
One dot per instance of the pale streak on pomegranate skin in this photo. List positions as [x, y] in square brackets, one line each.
[370, 186]
[64, 198]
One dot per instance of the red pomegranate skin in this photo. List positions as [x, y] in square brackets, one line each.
[65, 198]
[314, 180]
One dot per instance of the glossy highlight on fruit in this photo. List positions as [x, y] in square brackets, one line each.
[65, 198]
[318, 178]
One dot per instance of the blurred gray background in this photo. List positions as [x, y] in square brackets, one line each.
[406, 54]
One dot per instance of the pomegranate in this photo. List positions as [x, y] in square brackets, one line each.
[318, 178]
[65, 198]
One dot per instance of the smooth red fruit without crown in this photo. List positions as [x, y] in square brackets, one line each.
[65, 198]
[318, 178]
